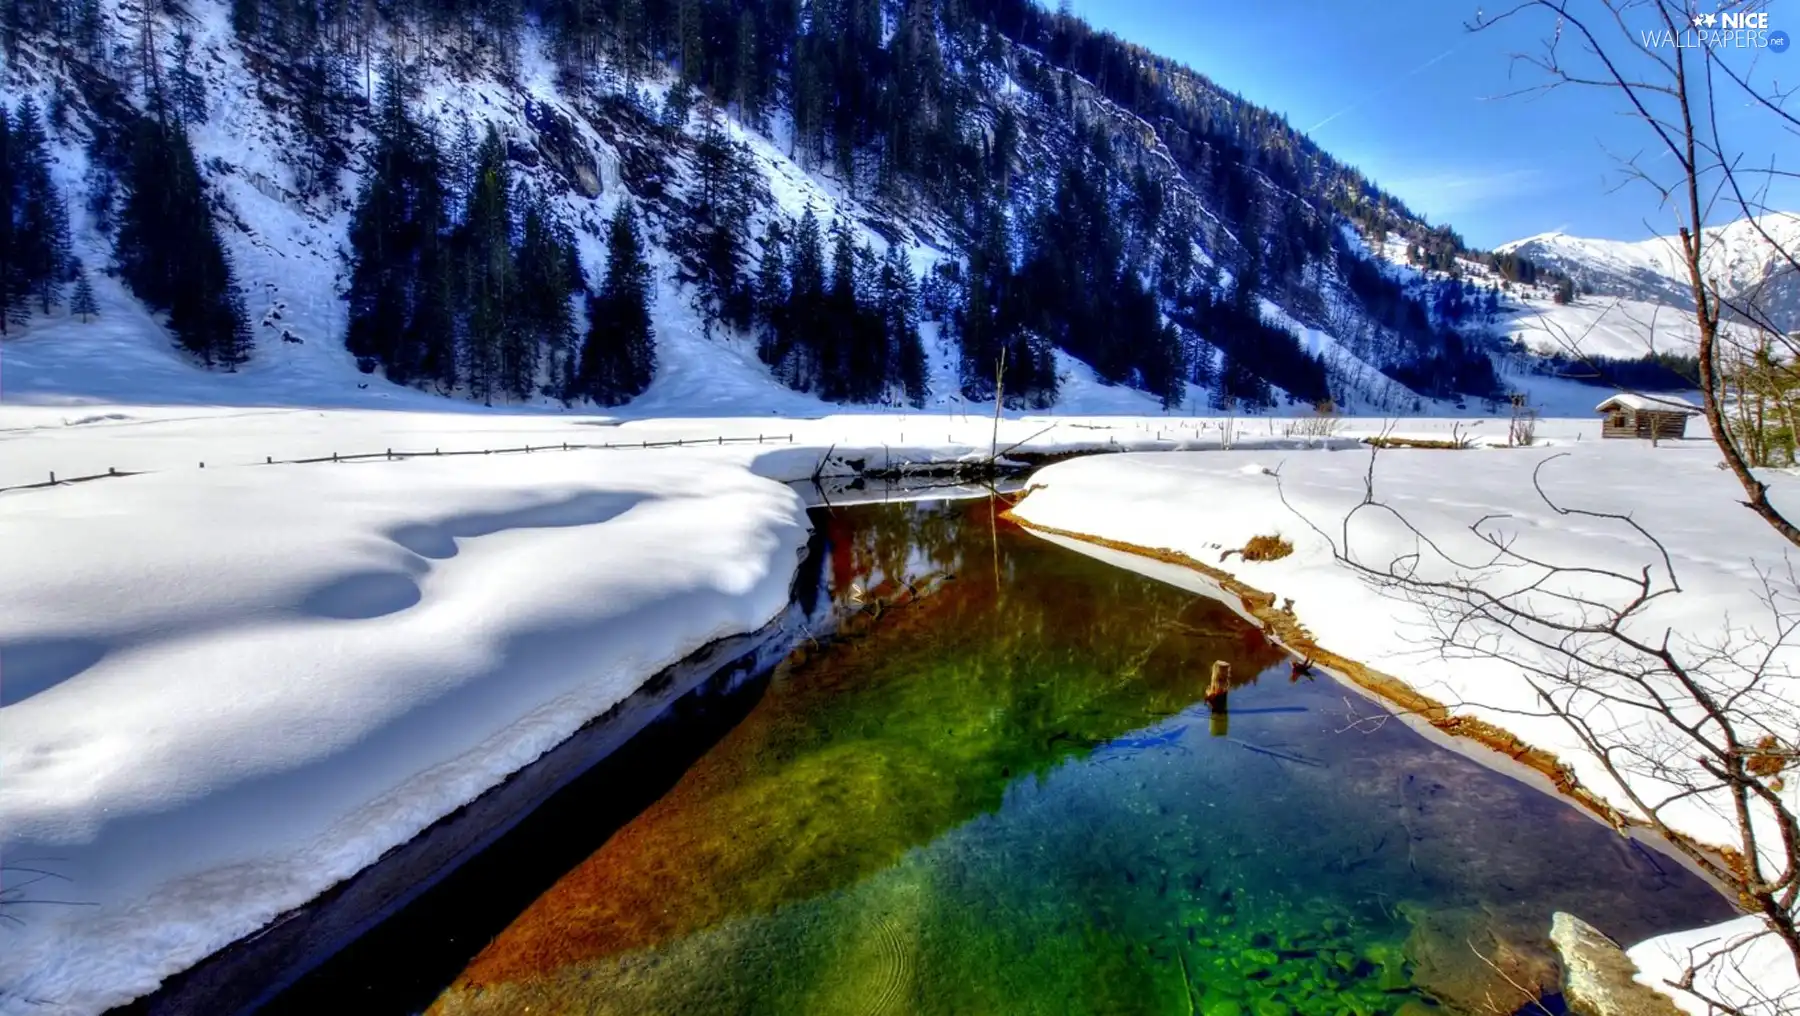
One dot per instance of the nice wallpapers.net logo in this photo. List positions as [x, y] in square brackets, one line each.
[1721, 30]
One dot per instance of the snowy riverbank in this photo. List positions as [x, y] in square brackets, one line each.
[1203, 505]
[226, 691]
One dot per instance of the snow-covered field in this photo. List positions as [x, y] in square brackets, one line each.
[1202, 504]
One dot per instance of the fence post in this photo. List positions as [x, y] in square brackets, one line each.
[52, 476]
[565, 446]
[390, 453]
[112, 470]
[334, 456]
[268, 460]
[759, 439]
[721, 439]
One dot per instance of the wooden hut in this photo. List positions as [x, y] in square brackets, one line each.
[1650, 417]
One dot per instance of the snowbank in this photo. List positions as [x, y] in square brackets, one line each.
[1758, 971]
[1203, 505]
[225, 690]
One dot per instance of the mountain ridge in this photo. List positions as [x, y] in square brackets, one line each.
[1741, 262]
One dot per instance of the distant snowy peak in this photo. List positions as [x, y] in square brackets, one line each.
[1742, 258]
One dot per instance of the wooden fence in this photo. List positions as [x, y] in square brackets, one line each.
[390, 455]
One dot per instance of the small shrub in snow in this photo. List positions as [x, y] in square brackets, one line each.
[1266, 548]
[1324, 422]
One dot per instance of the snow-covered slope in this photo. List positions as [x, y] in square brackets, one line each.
[588, 148]
[1740, 260]
[1607, 326]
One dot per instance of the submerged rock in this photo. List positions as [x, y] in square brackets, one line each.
[1598, 976]
[1476, 961]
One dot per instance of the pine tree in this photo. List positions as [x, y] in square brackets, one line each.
[746, 84]
[690, 38]
[14, 288]
[232, 340]
[845, 371]
[899, 301]
[677, 105]
[187, 90]
[807, 268]
[38, 244]
[105, 154]
[1221, 395]
[712, 244]
[772, 296]
[545, 284]
[618, 358]
[90, 31]
[493, 353]
[168, 249]
[82, 303]
[401, 303]
[459, 160]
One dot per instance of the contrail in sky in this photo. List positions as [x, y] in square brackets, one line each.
[1358, 104]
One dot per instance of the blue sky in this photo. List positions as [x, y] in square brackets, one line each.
[1399, 89]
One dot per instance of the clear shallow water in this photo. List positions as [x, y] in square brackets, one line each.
[1005, 796]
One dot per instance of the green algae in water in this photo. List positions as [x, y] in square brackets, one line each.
[1005, 798]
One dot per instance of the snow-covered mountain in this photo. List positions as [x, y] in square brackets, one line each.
[1741, 261]
[1191, 194]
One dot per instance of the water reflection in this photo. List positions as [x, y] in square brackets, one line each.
[1002, 789]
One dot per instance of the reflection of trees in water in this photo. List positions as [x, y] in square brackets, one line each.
[875, 545]
[887, 740]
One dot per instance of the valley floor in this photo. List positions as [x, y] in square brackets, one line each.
[229, 686]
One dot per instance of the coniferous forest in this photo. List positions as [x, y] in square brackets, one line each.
[168, 248]
[36, 262]
[1079, 194]
[147, 191]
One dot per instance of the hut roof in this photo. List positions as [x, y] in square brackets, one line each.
[1653, 403]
